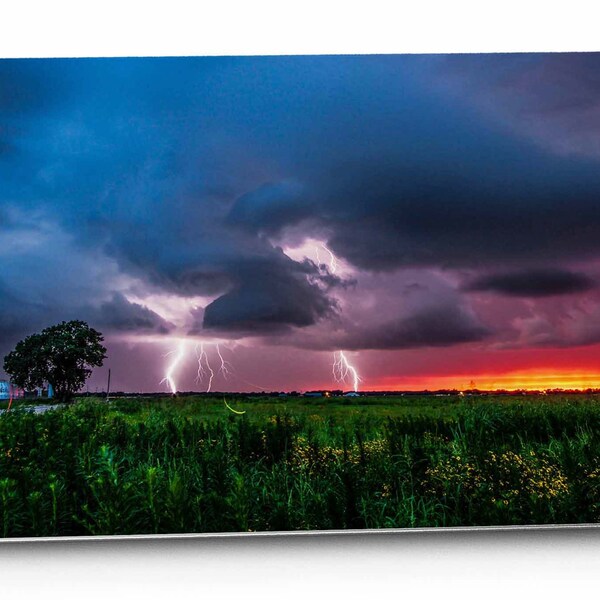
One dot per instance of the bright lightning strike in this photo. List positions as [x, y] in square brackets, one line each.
[225, 368]
[205, 372]
[332, 259]
[333, 263]
[202, 371]
[177, 357]
[343, 370]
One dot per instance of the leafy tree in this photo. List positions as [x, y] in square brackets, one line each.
[61, 355]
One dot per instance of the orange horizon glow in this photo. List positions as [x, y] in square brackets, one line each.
[530, 380]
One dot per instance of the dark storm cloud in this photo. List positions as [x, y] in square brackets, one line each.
[533, 283]
[435, 326]
[45, 278]
[188, 174]
[16, 314]
[476, 214]
[271, 297]
[551, 98]
[441, 185]
[439, 324]
[483, 212]
[120, 315]
[19, 317]
[580, 326]
[271, 207]
[388, 312]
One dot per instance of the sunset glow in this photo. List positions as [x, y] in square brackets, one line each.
[517, 380]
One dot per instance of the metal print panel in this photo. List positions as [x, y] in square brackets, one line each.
[269, 294]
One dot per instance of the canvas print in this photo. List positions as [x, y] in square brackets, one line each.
[251, 294]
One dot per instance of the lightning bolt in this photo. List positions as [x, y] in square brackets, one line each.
[333, 263]
[225, 367]
[206, 371]
[177, 357]
[343, 370]
[202, 356]
[332, 259]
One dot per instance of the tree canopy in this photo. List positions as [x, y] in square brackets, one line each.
[62, 355]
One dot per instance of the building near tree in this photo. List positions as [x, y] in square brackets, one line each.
[7, 390]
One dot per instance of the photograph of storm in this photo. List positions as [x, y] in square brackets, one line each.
[299, 293]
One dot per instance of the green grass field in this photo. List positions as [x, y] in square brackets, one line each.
[188, 464]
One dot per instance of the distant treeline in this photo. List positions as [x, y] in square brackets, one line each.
[326, 393]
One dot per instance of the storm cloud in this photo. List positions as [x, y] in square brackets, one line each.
[118, 314]
[271, 297]
[437, 326]
[551, 99]
[533, 283]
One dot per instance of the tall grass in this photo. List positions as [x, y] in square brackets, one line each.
[133, 467]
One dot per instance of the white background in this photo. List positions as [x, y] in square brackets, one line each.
[532, 564]
[486, 566]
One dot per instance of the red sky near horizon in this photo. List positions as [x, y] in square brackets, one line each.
[529, 369]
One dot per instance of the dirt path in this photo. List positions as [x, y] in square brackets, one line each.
[38, 409]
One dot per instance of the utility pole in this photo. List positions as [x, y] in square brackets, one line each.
[108, 387]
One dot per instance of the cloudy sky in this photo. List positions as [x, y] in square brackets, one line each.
[437, 218]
